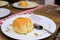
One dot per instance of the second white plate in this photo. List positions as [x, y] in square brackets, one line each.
[4, 12]
[31, 5]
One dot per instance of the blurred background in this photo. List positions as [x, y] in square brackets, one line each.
[45, 2]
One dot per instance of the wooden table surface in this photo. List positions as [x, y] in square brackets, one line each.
[54, 15]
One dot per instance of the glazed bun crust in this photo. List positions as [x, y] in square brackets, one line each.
[22, 25]
[23, 4]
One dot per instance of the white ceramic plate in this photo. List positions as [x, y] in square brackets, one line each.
[41, 20]
[31, 5]
[3, 3]
[4, 12]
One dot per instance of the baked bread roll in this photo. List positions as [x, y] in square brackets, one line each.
[23, 4]
[22, 25]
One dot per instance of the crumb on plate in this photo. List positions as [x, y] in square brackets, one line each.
[35, 34]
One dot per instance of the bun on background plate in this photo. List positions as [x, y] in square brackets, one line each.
[23, 3]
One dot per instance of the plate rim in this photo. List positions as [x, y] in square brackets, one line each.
[7, 13]
[5, 4]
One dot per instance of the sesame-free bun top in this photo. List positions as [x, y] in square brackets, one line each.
[22, 25]
[23, 4]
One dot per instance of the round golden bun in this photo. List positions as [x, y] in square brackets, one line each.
[22, 25]
[23, 4]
